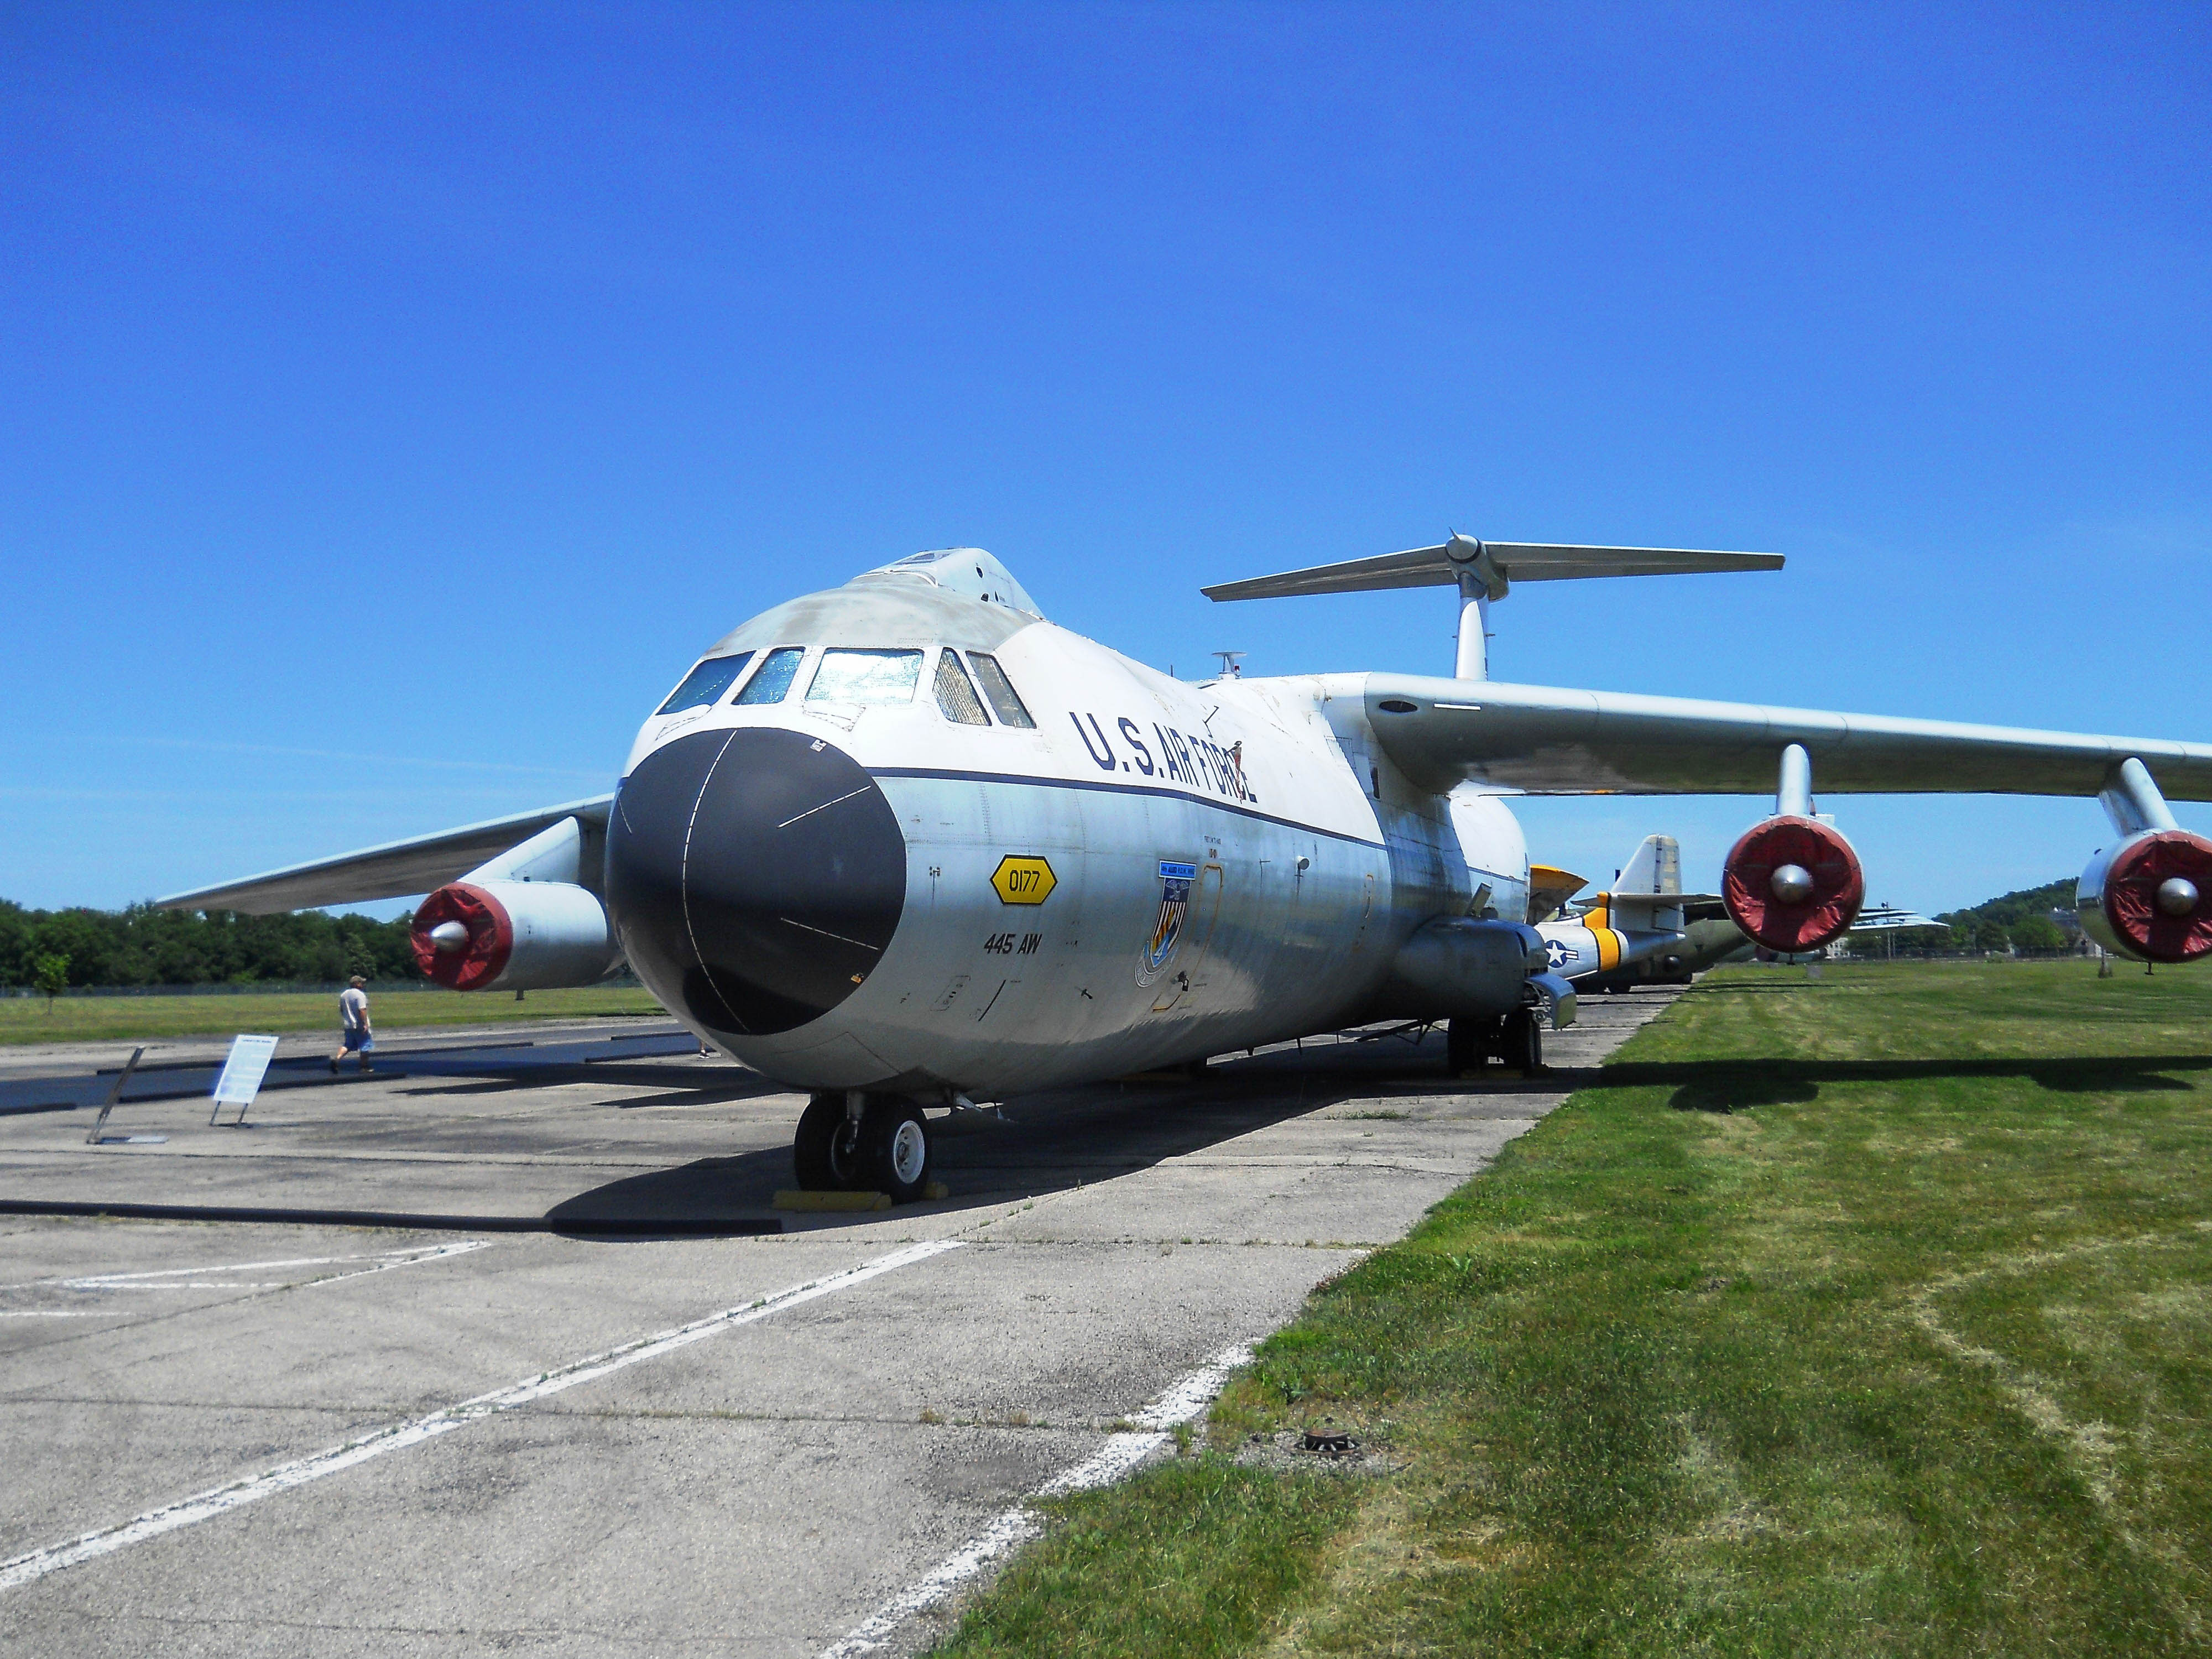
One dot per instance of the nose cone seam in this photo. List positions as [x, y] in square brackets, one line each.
[691, 932]
[757, 877]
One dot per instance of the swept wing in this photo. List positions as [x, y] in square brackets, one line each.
[393, 870]
[1551, 740]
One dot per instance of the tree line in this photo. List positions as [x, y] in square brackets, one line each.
[2019, 921]
[141, 945]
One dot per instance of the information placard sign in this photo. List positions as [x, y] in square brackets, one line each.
[243, 1071]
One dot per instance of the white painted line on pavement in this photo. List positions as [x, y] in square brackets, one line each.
[385, 1259]
[1122, 1452]
[65, 1313]
[404, 1259]
[397, 1436]
[170, 1279]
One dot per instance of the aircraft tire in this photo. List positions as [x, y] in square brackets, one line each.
[1524, 1041]
[1468, 1044]
[1472, 1043]
[824, 1156]
[894, 1149]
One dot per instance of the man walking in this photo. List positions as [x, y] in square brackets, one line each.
[353, 1013]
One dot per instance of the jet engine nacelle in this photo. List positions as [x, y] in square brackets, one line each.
[1793, 883]
[2150, 897]
[495, 935]
[1457, 967]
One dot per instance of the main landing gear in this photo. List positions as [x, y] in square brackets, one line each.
[848, 1141]
[1515, 1039]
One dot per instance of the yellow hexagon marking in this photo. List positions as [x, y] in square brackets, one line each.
[1022, 880]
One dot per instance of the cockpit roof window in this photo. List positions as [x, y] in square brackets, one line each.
[1001, 690]
[866, 677]
[707, 682]
[777, 671]
[955, 693]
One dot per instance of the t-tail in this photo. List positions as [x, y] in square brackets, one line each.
[1484, 573]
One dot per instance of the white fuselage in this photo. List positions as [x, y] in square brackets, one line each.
[1193, 867]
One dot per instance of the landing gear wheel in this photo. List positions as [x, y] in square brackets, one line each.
[1523, 1043]
[827, 1151]
[894, 1148]
[1469, 1041]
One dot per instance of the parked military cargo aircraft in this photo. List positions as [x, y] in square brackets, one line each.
[909, 845]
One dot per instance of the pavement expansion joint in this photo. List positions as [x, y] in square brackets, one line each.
[376, 1410]
[479, 1638]
[926, 1419]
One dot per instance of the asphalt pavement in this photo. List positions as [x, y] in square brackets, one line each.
[614, 1400]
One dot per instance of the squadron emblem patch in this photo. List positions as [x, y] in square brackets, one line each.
[1167, 928]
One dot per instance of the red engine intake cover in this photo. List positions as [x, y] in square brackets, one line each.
[2131, 906]
[1838, 884]
[491, 937]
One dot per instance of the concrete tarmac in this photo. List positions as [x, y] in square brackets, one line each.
[758, 1485]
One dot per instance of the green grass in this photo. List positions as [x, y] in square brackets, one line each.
[1871, 1315]
[129, 1019]
[1201, 1554]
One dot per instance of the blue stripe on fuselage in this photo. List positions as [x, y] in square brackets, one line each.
[1105, 788]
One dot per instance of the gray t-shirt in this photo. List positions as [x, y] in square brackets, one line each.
[352, 1007]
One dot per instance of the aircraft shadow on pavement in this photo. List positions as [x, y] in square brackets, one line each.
[1742, 1085]
[683, 1086]
[1057, 1141]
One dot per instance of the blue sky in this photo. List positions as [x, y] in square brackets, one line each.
[394, 400]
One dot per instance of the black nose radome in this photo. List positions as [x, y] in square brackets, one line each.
[756, 877]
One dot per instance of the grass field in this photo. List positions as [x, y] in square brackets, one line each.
[1871, 1315]
[128, 1019]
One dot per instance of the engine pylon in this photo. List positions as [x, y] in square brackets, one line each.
[1791, 882]
[2150, 895]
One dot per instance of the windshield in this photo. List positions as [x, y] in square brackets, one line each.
[1001, 690]
[777, 671]
[706, 683]
[956, 693]
[866, 677]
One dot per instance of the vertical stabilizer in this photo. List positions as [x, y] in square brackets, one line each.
[1651, 878]
[1656, 868]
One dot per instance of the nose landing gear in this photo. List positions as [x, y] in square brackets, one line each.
[851, 1142]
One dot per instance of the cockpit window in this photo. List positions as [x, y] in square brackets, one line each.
[1001, 690]
[956, 693]
[866, 677]
[777, 671]
[704, 683]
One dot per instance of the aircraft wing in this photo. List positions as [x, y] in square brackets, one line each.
[392, 871]
[1549, 740]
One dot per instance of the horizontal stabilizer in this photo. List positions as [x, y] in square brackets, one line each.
[1549, 888]
[1497, 562]
[1887, 918]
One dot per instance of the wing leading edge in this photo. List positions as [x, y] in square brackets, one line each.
[394, 870]
[1549, 740]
